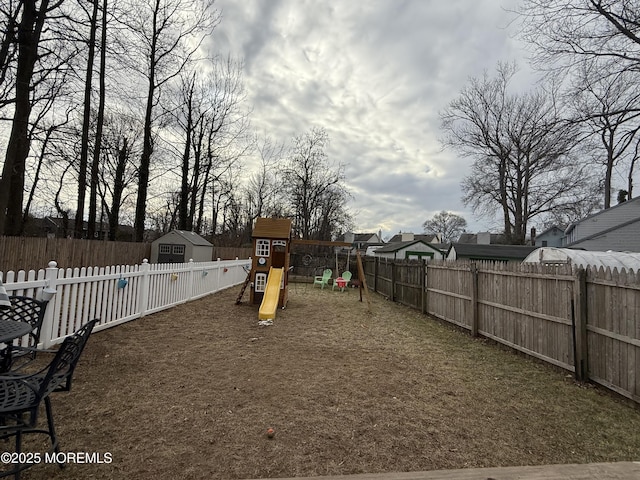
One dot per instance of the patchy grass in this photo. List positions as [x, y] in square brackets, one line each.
[190, 393]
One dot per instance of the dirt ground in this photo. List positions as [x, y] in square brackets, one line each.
[190, 393]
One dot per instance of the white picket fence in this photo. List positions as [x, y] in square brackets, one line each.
[118, 294]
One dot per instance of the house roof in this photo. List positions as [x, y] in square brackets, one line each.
[363, 237]
[357, 237]
[394, 247]
[551, 229]
[427, 238]
[272, 228]
[491, 252]
[496, 238]
[606, 210]
[193, 238]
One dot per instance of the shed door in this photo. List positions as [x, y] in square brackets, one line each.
[168, 253]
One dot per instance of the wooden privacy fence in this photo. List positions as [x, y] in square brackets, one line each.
[118, 294]
[587, 322]
[30, 253]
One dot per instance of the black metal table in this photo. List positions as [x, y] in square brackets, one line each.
[9, 331]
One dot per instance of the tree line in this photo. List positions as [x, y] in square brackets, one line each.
[116, 111]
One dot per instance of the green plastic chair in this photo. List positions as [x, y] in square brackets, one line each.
[346, 276]
[324, 279]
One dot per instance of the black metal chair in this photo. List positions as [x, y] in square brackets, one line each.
[21, 395]
[28, 310]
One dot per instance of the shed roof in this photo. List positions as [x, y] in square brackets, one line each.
[192, 237]
[584, 258]
[272, 228]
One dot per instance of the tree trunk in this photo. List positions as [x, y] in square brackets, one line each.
[118, 189]
[86, 121]
[95, 163]
[12, 181]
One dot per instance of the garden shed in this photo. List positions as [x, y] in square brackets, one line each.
[584, 258]
[179, 246]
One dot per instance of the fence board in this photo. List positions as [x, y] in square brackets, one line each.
[531, 308]
[90, 292]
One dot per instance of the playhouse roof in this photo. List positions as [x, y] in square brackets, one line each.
[272, 228]
[584, 258]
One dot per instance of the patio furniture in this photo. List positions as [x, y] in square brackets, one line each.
[22, 394]
[27, 313]
[324, 279]
[342, 281]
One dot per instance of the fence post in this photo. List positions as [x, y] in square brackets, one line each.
[393, 281]
[423, 286]
[46, 330]
[474, 300]
[191, 280]
[219, 276]
[579, 325]
[143, 295]
[376, 266]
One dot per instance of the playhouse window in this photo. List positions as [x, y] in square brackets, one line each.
[165, 249]
[178, 249]
[262, 248]
[279, 243]
[261, 282]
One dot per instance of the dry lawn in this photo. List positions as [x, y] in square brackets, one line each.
[190, 393]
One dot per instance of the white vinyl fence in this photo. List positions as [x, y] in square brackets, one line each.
[119, 293]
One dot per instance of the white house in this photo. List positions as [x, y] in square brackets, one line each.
[409, 250]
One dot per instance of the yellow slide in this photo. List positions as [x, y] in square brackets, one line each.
[271, 297]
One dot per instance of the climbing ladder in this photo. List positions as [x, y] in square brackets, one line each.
[244, 287]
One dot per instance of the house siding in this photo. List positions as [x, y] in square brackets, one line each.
[604, 220]
[625, 238]
[553, 238]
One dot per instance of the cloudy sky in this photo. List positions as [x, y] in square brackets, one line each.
[375, 75]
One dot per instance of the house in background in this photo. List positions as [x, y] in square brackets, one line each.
[410, 250]
[408, 237]
[482, 238]
[359, 241]
[551, 237]
[179, 246]
[479, 252]
[616, 228]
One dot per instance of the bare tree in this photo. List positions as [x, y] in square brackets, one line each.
[95, 162]
[522, 152]
[594, 47]
[605, 105]
[447, 224]
[86, 117]
[261, 189]
[315, 187]
[117, 173]
[169, 34]
[26, 40]
[564, 32]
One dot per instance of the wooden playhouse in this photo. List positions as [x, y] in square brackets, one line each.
[271, 248]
